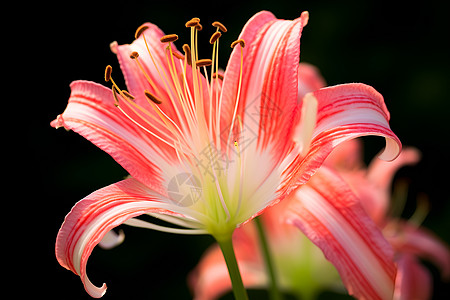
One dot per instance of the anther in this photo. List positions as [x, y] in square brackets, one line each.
[128, 95]
[187, 53]
[140, 30]
[203, 62]
[217, 75]
[108, 72]
[215, 37]
[192, 22]
[152, 97]
[220, 26]
[134, 55]
[199, 27]
[177, 55]
[240, 42]
[169, 38]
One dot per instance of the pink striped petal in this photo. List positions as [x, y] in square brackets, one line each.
[413, 280]
[91, 113]
[330, 215]
[93, 217]
[344, 112]
[268, 95]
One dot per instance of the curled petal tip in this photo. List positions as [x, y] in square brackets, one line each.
[93, 291]
[305, 17]
[392, 150]
[113, 46]
[112, 239]
[58, 122]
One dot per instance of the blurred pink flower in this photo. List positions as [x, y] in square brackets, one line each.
[409, 240]
[202, 153]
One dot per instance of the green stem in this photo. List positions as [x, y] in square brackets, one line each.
[275, 293]
[239, 291]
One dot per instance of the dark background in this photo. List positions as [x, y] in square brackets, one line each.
[401, 50]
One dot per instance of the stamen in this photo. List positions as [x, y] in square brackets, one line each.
[143, 224]
[199, 27]
[187, 53]
[135, 56]
[115, 87]
[192, 22]
[220, 26]
[140, 30]
[204, 62]
[240, 42]
[152, 97]
[169, 38]
[422, 210]
[108, 72]
[215, 37]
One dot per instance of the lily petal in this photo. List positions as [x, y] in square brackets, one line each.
[413, 280]
[381, 173]
[422, 243]
[344, 112]
[91, 113]
[330, 215]
[309, 80]
[94, 216]
[267, 99]
[374, 188]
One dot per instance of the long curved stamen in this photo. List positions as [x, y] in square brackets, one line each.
[163, 76]
[135, 56]
[143, 224]
[215, 38]
[242, 45]
[180, 221]
[169, 140]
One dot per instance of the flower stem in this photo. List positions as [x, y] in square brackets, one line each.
[226, 245]
[275, 293]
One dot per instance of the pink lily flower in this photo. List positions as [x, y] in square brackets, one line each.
[203, 153]
[409, 240]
